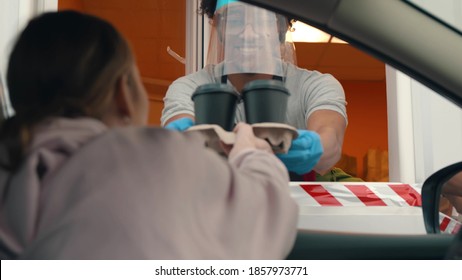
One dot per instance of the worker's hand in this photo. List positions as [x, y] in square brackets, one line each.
[246, 139]
[304, 153]
[180, 124]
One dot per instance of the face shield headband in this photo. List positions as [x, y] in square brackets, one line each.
[249, 39]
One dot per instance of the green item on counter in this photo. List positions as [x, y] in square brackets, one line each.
[337, 175]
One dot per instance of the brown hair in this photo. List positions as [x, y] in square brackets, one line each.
[207, 7]
[64, 64]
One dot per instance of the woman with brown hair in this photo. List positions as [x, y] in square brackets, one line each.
[81, 178]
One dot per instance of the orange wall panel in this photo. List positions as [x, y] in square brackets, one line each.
[155, 111]
[70, 5]
[367, 119]
[150, 26]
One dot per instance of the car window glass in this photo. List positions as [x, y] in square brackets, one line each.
[366, 148]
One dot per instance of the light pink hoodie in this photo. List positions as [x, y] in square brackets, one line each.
[86, 192]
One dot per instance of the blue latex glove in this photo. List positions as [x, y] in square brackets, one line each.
[304, 153]
[180, 124]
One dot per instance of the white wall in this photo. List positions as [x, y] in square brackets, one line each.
[425, 130]
[400, 127]
[14, 15]
[437, 131]
[9, 18]
[197, 34]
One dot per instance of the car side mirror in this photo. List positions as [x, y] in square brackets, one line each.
[442, 200]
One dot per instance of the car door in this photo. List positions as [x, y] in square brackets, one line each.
[396, 32]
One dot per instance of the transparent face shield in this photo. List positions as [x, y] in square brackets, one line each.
[249, 39]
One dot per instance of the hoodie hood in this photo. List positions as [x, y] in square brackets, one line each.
[54, 142]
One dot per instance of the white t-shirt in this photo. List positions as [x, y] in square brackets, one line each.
[309, 91]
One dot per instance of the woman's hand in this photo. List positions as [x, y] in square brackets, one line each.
[245, 139]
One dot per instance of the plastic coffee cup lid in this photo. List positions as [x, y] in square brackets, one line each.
[214, 88]
[265, 84]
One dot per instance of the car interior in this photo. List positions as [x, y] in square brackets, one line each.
[398, 33]
[388, 30]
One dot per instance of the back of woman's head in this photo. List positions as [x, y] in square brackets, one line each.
[64, 64]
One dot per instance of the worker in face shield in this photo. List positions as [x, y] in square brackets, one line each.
[251, 43]
[248, 43]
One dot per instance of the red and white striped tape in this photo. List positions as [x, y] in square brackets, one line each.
[354, 194]
[449, 225]
[364, 194]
